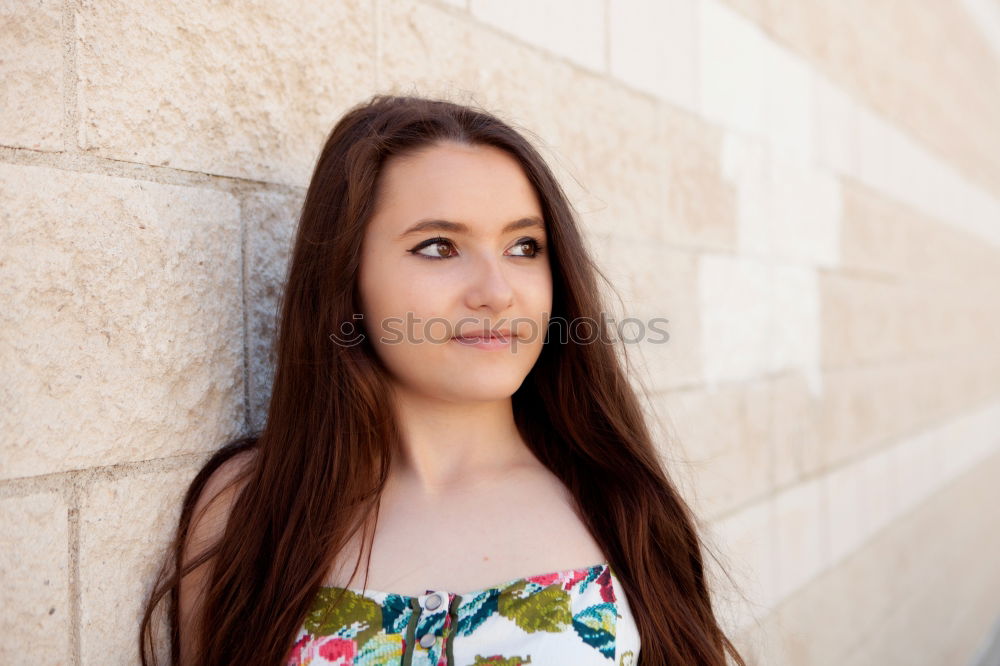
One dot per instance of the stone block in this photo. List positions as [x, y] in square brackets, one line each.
[34, 579]
[31, 67]
[249, 90]
[122, 331]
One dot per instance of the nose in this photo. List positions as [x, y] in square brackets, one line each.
[489, 286]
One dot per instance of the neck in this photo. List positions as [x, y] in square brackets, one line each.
[447, 444]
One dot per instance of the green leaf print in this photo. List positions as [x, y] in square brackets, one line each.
[500, 660]
[548, 609]
[596, 626]
[355, 616]
[627, 659]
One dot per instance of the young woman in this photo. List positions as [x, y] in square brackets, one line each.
[443, 410]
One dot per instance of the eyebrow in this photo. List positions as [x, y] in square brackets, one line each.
[458, 227]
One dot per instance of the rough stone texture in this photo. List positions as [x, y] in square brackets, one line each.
[784, 182]
[31, 68]
[34, 579]
[899, 59]
[601, 140]
[126, 525]
[122, 329]
[271, 220]
[242, 89]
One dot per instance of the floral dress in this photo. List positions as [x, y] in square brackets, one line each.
[576, 617]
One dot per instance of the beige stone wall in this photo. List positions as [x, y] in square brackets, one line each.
[808, 191]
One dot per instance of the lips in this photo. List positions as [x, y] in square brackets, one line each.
[502, 334]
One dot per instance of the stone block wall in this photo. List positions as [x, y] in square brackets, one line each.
[808, 191]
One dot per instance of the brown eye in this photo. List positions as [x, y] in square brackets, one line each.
[436, 252]
[530, 246]
[442, 252]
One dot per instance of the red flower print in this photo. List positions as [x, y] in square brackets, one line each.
[334, 648]
[578, 575]
[545, 579]
[607, 589]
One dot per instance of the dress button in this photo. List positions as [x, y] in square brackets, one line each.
[432, 602]
[427, 640]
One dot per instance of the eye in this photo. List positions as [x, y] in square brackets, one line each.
[435, 244]
[530, 245]
[525, 247]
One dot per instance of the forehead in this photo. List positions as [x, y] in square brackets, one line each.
[481, 186]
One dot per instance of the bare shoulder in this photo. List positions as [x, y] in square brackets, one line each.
[211, 510]
[207, 524]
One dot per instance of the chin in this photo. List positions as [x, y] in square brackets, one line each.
[480, 391]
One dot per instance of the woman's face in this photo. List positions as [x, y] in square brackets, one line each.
[453, 250]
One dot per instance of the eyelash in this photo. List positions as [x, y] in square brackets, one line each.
[434, 241]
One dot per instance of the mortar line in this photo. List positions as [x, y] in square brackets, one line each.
[71, 112]
[246, 317]
[116, 168]
[76, 640]
[57, 481]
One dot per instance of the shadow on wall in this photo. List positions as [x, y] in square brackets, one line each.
[990, 655]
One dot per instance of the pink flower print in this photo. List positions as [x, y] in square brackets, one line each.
[545, 579]
[577, 576]
[331, 649]
[334, 649]
[567, 578]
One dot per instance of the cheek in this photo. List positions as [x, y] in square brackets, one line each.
[386, 289]
[538, 297]
[541, 311]
[407, 311]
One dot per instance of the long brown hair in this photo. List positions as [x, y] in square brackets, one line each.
[322, 458]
